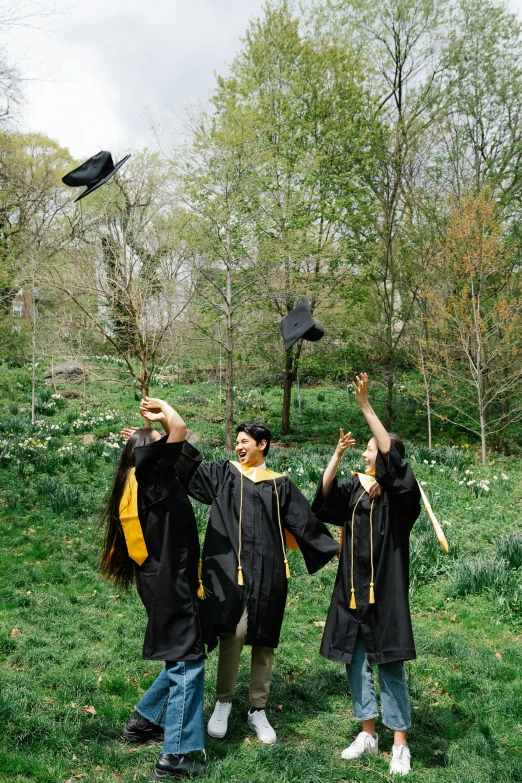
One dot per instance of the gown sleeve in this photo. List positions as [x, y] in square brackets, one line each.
[313, 538]
[156, 461]
[155, 469]
[203, 481]
[396, 478]
[334, 507]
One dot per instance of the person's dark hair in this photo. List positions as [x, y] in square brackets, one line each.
[399, 445]
[115, 561]
[257, 432]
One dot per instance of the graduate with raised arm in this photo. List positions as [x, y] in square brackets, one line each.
[151, 536]
[245, 568]
[369, 619]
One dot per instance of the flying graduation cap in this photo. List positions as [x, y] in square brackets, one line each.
[94, 173]
[300, 324]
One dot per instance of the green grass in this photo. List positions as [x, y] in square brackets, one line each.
[70, 641]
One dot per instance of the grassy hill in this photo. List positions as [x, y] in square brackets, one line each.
[70, 643]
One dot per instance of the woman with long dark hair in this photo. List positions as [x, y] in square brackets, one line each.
[369, 621]
[151, 536]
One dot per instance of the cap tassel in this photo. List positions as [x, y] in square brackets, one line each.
[353, 605]
[240, 579]
[287, 568]
[202, 590]
[372, 594]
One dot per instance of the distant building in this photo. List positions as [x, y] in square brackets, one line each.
[24, 301]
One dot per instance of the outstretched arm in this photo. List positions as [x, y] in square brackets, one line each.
[160, 417]
[377, 428]
[177, 428]
[345, 442]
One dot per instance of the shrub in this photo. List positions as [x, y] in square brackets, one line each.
[47, 485]
[442, 455]
[475, 576]
[509, 549]
[12, 425]
[427, 559]
[65, 498]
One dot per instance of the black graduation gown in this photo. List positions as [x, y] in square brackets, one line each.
[167, 581]
[218, 484]
[386, 624]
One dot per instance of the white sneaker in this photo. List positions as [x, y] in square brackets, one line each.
[400, 763]
[363, 743]
[218, 723]
[259, 724]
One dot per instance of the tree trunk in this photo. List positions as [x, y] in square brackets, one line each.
[428, 410]
[33, 350]
[287, 393]
[229, 369]
[229, 402]
[389, 398]
[144, 385]
[483, 437]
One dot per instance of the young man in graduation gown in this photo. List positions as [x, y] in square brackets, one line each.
[245, 568]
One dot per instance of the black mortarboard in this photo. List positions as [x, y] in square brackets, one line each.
[300, 323]
[94, 173]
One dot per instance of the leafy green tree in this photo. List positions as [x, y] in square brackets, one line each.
[31, 198]
[475, 345]
[122, 263]
[400, 49]
[308, 203]
[217, 195]
[483, 94]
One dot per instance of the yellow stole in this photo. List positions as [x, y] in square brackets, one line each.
[130, 521]
[367, 480]
[256, 475]
[264, 474]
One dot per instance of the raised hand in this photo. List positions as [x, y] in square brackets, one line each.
[378, 431]
[154, 409]
[127, 432]
[361, 389]
[152, 405]
[345, 442]
[150, 416]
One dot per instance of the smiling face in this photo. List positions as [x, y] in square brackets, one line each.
[370, 455]
[249, 452]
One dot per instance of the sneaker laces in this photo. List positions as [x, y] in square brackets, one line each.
[221, 710]
[400, 753]
[361, 740]
[262, 719]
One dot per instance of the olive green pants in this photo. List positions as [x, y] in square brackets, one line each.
[262, 658]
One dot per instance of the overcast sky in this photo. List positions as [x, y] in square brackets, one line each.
[103, 66]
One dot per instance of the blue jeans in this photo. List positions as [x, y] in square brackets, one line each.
[175, 701]
[395, 702]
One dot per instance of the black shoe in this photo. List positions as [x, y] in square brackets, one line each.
[170, 766]
[141, 731]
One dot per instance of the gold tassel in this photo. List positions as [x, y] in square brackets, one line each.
[353, 605]
[372, 594]
[202, 590]
[287, 569]
[240, 579]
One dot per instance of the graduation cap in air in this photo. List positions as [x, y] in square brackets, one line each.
[93, 173]
[300, 324]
